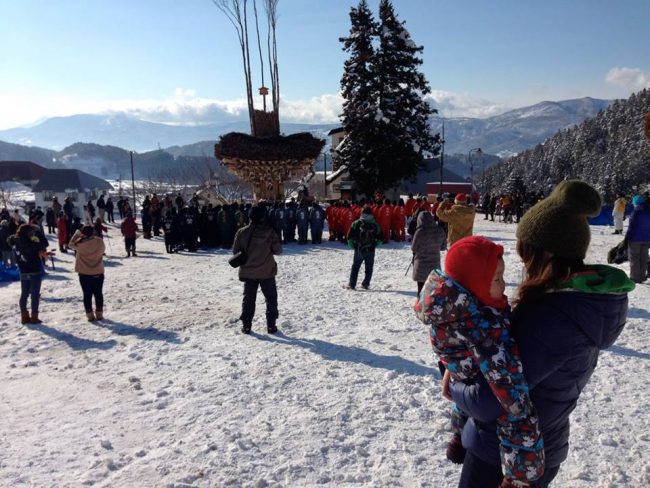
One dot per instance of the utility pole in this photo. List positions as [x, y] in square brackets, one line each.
[471, 165]
[442, 156]
[135, 212]
[325, 177]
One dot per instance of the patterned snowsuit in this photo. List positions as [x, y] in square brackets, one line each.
[471, 340]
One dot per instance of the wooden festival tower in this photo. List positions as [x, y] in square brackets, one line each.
[265, 159]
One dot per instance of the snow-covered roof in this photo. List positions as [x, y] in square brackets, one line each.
[60, 180]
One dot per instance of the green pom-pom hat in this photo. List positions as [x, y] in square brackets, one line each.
[558, 224]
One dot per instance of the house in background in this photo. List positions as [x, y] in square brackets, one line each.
[62, 183]
[427, 181]
[23, 172]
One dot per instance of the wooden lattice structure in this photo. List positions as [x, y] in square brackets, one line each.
[267, 163]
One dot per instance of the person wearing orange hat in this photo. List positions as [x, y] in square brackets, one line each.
[469, 318]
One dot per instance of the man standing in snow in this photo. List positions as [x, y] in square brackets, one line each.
[260, 243]
[364, 236]
[101, 207]
[316, 221]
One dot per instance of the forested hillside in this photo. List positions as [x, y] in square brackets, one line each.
[609, 151]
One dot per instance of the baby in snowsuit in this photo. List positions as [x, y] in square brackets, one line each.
[469, 318]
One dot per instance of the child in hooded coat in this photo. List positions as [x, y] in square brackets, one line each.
[469, 318]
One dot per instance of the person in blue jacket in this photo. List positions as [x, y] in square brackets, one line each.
[638, 238]
[316, 222]
[566, 313]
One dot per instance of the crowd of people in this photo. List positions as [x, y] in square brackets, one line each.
[514, 374]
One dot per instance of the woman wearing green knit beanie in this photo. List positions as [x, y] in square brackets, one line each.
[565, 313]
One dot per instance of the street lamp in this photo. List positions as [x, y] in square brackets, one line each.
[471, 165]
[135, 212]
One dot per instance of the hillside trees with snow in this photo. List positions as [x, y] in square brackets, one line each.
[384, 114]
[610, 151]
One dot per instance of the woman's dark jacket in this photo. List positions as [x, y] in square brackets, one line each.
[28, 251]
[560, 336]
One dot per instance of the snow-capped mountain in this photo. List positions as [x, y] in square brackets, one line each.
[504, 134]
[516, 130]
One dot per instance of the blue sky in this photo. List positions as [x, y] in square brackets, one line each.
[170, 60]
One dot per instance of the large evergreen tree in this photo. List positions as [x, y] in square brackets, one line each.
[384, 114]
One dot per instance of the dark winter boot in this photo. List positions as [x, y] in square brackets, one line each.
[24, 317]
[246, 328]
[270, 327]
[90, 316]
[34, 318]
[99, 313]
[455, 450]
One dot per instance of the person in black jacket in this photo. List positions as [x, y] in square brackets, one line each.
[110, 208]
[8, 258]
[28, 244]
[566, 313]
[50, 220]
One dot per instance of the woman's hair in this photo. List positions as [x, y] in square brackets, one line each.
[88, 230]
[544, 271]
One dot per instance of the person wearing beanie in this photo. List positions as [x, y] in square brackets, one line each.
[364, 236]
[638, 239]
[469, 318]
[565, 313]
[459, 218]
[89, 264]
[260, 242]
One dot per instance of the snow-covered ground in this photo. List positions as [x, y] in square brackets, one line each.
[167, 392]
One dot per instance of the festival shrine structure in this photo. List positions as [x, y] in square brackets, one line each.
[265, 159]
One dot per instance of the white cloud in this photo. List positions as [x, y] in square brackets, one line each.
[451, 104]
[632, 79]
[184, 106]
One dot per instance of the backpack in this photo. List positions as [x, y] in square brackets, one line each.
[367, 238]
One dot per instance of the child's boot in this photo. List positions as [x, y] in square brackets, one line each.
[455, 450]
[24, 317]
[99, 313]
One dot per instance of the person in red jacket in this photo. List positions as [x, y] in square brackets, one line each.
[330, 215]
[426, 206]
[409, 206]
[62, 233]
[347, 217]
[398, 221]
[129, 230]
[384, 215]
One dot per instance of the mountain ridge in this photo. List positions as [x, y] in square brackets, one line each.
[505, 134]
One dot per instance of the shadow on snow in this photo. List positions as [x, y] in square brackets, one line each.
[351, 354]
[74, 342]
[149, 333]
